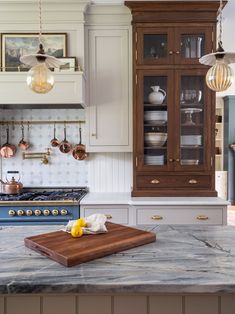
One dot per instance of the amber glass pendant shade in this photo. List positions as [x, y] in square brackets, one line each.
[40, 79]
[220, 76]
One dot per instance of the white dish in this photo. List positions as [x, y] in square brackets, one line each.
[189, 162]
[191, 140]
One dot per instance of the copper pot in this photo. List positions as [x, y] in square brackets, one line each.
[79, 150]
[7, 150]
[11, 186]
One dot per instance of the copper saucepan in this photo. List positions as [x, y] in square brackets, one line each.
[65, 147]
[55, 142]
[7, 150]
[79, 151]
[22, 143]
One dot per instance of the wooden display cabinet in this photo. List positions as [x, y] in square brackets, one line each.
[174, 127]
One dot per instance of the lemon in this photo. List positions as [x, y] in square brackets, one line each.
[80, 222]
[76, 231]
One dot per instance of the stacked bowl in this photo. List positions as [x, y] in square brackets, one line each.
[155, 117]
[154, 139]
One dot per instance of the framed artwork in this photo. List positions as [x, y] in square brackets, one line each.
[69, 64]
[15, 45]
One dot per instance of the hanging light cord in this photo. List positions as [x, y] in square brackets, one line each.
[40, 21]
[220, 22]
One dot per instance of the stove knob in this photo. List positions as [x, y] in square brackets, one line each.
[37, 212]
[55, 212]
[11, 212]
[20, 212]
[29, 212]
[46, 212]
[63, 212]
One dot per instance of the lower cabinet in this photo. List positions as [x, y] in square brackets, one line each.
[117, 304]
[159, 214]
[153, 215]
[114, 213]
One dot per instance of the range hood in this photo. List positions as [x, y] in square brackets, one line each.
[68, 91]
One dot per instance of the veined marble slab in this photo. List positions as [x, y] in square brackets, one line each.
[184, 259]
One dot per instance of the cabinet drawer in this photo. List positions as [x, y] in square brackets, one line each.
[118, 215]
[179, 216]
[190, 181]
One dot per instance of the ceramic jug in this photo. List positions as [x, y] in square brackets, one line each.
[157, 96]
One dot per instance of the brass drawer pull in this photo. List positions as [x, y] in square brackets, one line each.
[108, 216]
[202, 217]
[170, 52]
[155, 181]
[192, 181]
[157, 217]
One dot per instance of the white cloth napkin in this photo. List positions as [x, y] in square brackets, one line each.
[95, 224]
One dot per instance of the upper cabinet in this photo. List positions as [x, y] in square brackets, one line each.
[109, 77]
[172, 45]
[173, 109]
[109, 104]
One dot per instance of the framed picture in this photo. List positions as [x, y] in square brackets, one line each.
[15, 45]
[69, 64]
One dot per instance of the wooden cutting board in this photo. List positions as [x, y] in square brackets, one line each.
[68, 251]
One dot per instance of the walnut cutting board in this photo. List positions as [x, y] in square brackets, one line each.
[68, 251]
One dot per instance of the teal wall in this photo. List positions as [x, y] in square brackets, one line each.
[229, 138]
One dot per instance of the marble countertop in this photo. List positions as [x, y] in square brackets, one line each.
[184, 259]
[125, 198]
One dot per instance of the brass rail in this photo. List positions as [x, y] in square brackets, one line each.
[12, 122]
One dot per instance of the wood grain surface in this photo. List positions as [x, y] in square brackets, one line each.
[61, 247]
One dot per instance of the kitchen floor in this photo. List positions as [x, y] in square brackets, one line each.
[231, 215]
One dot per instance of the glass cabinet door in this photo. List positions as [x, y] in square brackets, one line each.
[154, 46]
[194, 133]
[154, 102]
[192, 45]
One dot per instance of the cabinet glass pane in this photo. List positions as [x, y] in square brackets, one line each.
[192, 45]
[155, 120]
[155, 46]
[192, 120]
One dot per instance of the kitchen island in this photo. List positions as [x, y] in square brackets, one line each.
[189, 269]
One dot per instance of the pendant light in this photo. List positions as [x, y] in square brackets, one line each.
[40, 79]
[220, 76]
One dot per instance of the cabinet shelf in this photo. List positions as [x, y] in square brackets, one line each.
[155, 147]
[191, 147]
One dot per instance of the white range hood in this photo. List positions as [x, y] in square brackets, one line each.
[69, 88]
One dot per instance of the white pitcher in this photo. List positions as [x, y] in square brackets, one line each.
[157, 96]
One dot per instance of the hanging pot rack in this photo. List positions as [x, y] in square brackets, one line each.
[12, 122]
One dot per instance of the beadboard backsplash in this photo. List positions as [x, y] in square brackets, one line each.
[63, 169]
[101, 172]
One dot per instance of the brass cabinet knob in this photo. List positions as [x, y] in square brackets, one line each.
[155, 181]
[29, 212]
[20, 212]
[177, 52]
[156, 217]
[108, 216]
[63, 212]
[46, 212]
[202, 217]
[11, 212]
[177, 160]
[170, 52]
[37, 212]
[192, 181]
[55, 212]
[171, 160]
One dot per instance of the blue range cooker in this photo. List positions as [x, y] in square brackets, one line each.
[41, 206]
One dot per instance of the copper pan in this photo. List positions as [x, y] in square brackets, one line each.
[8, 150]
[55, 142]
[22, 143]
[65, 147]
[79, 150]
